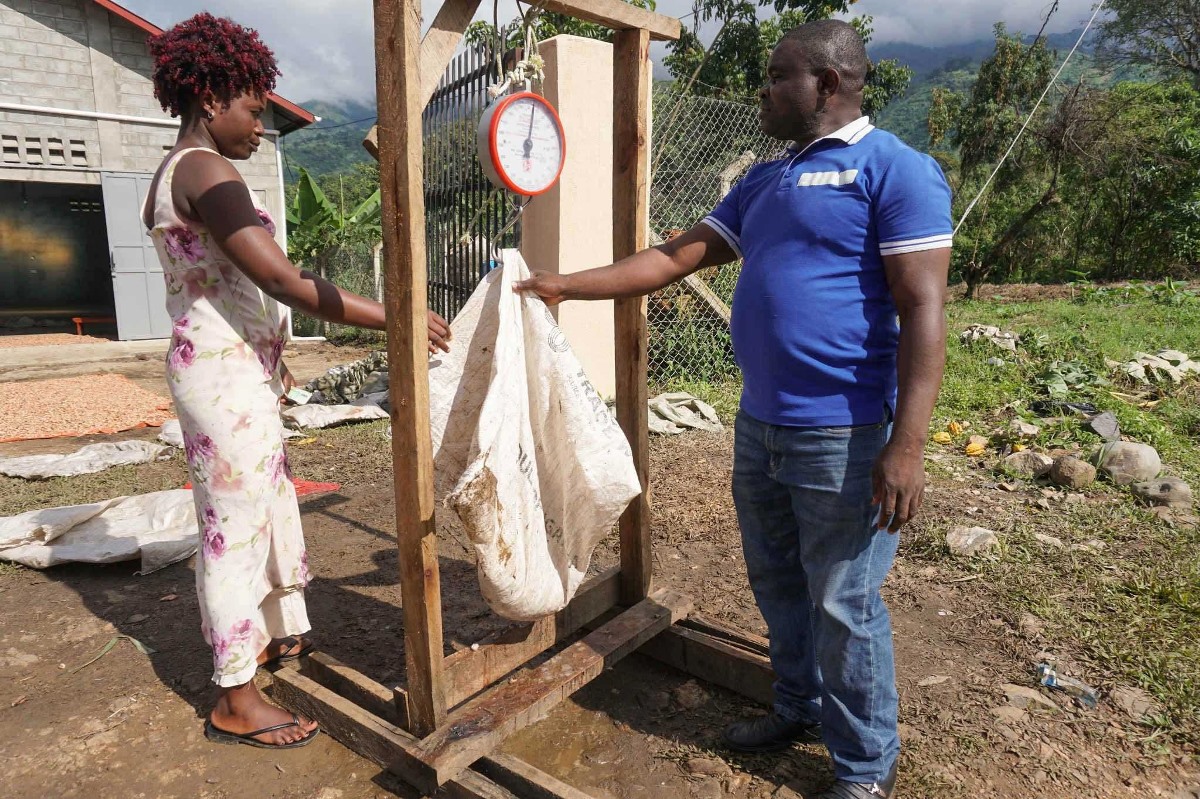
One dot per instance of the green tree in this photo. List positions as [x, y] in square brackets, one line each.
[981, 126]
[1164, 34]
[735, 61]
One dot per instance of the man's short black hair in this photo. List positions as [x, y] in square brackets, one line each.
[834, 44]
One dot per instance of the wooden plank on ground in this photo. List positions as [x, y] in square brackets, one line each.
[373, 738]
[631, 230]
[718, 654]
[398, 88]
[353, 685]
[617, 15]
[524, 780]
[437, 48]
[469, 671]
[478, 727]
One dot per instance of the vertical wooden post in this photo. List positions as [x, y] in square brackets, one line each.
[631, 223]
[397, 53]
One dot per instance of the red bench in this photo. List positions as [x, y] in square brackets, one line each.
[80, 321]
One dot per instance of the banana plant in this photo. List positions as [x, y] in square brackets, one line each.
[316, 224]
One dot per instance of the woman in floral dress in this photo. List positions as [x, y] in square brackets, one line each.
[227, 282]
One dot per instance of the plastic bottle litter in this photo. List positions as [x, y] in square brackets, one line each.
[1084, 694]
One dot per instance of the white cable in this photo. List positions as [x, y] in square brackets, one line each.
[1028, 119]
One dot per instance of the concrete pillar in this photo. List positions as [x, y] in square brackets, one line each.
[569, 228]
[104, 85]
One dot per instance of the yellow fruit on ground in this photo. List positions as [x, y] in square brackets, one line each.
[955, 428]
[941, 438]
[976, 445]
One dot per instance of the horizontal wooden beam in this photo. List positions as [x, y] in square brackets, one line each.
[718, 654]
[384, 743]
[469, 671]
[617, 15]
[524, 780]
[373, 738]
[355, 686]
[481, 725]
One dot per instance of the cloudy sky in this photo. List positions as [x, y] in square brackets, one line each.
[325, 46]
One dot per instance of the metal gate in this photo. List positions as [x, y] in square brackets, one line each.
[139, 293]
[464, 213]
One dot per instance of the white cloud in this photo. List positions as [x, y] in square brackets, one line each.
[326, 49]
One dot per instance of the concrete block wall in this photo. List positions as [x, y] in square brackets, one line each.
[73, 54]
[45, 59]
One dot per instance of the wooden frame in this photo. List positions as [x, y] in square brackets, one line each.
[439, 731]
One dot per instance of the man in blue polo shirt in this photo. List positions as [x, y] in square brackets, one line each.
[849, 230]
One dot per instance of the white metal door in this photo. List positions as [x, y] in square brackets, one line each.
[138, 290]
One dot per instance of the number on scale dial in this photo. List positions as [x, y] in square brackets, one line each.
[521, 144]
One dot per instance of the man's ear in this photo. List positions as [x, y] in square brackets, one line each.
[829, 82]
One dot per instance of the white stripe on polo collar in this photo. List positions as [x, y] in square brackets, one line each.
[850, 134]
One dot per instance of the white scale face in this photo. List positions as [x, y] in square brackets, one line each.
[524, 147]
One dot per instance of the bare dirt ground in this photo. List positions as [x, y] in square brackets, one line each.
[128, 725]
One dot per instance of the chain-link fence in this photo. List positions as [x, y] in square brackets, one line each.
[701, 147]
[355, 267]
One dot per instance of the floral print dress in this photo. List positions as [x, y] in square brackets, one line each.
[223, 370]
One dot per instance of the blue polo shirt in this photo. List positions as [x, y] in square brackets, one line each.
[814, 327]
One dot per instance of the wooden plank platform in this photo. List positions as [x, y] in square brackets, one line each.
[469, 671]
[482, 724]
[719, 654]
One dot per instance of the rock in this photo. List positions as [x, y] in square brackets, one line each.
[995, 361]
[1031, 625]
[966, 541]
[737, 783]
[138, 618]
[1050, 540]
[930, 681]
[1127, 462]
[708, 789]
[1028, 464]
[1091, 545]
[690, 695]
[1023, 429]
[1071, 472]
[1170, 492]
[1105, 425]
[1009, 714]
[1029, 699]
[708, 767]
[1136, 703]
[22, 323]
[655, 700]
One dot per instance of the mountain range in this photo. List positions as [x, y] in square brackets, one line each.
[334, 144]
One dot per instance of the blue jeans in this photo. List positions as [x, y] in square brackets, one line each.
[816, 562]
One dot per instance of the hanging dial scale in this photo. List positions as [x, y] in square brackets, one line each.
[521, 144]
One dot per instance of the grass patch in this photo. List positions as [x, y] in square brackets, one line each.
[1131, 612]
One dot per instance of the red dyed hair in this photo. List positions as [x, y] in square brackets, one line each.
[207, 54]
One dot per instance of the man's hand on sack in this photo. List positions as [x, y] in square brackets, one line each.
[439, 334]
[547, 285]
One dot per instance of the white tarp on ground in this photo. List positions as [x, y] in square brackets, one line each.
[319, 416]
[674, 413]
[88, 460]
[159, 527]
[172, 434]
[525, 450]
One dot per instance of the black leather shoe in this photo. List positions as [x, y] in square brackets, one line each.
[843, 789]
[769, 734]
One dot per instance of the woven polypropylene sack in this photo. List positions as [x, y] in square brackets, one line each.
[525, 450]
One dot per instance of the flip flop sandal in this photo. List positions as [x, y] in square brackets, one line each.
[217, 735]
[291, 641]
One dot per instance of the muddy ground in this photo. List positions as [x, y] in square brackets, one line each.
[128, 725]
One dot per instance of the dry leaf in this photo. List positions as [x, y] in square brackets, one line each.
[168, 598]
[20, 700]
